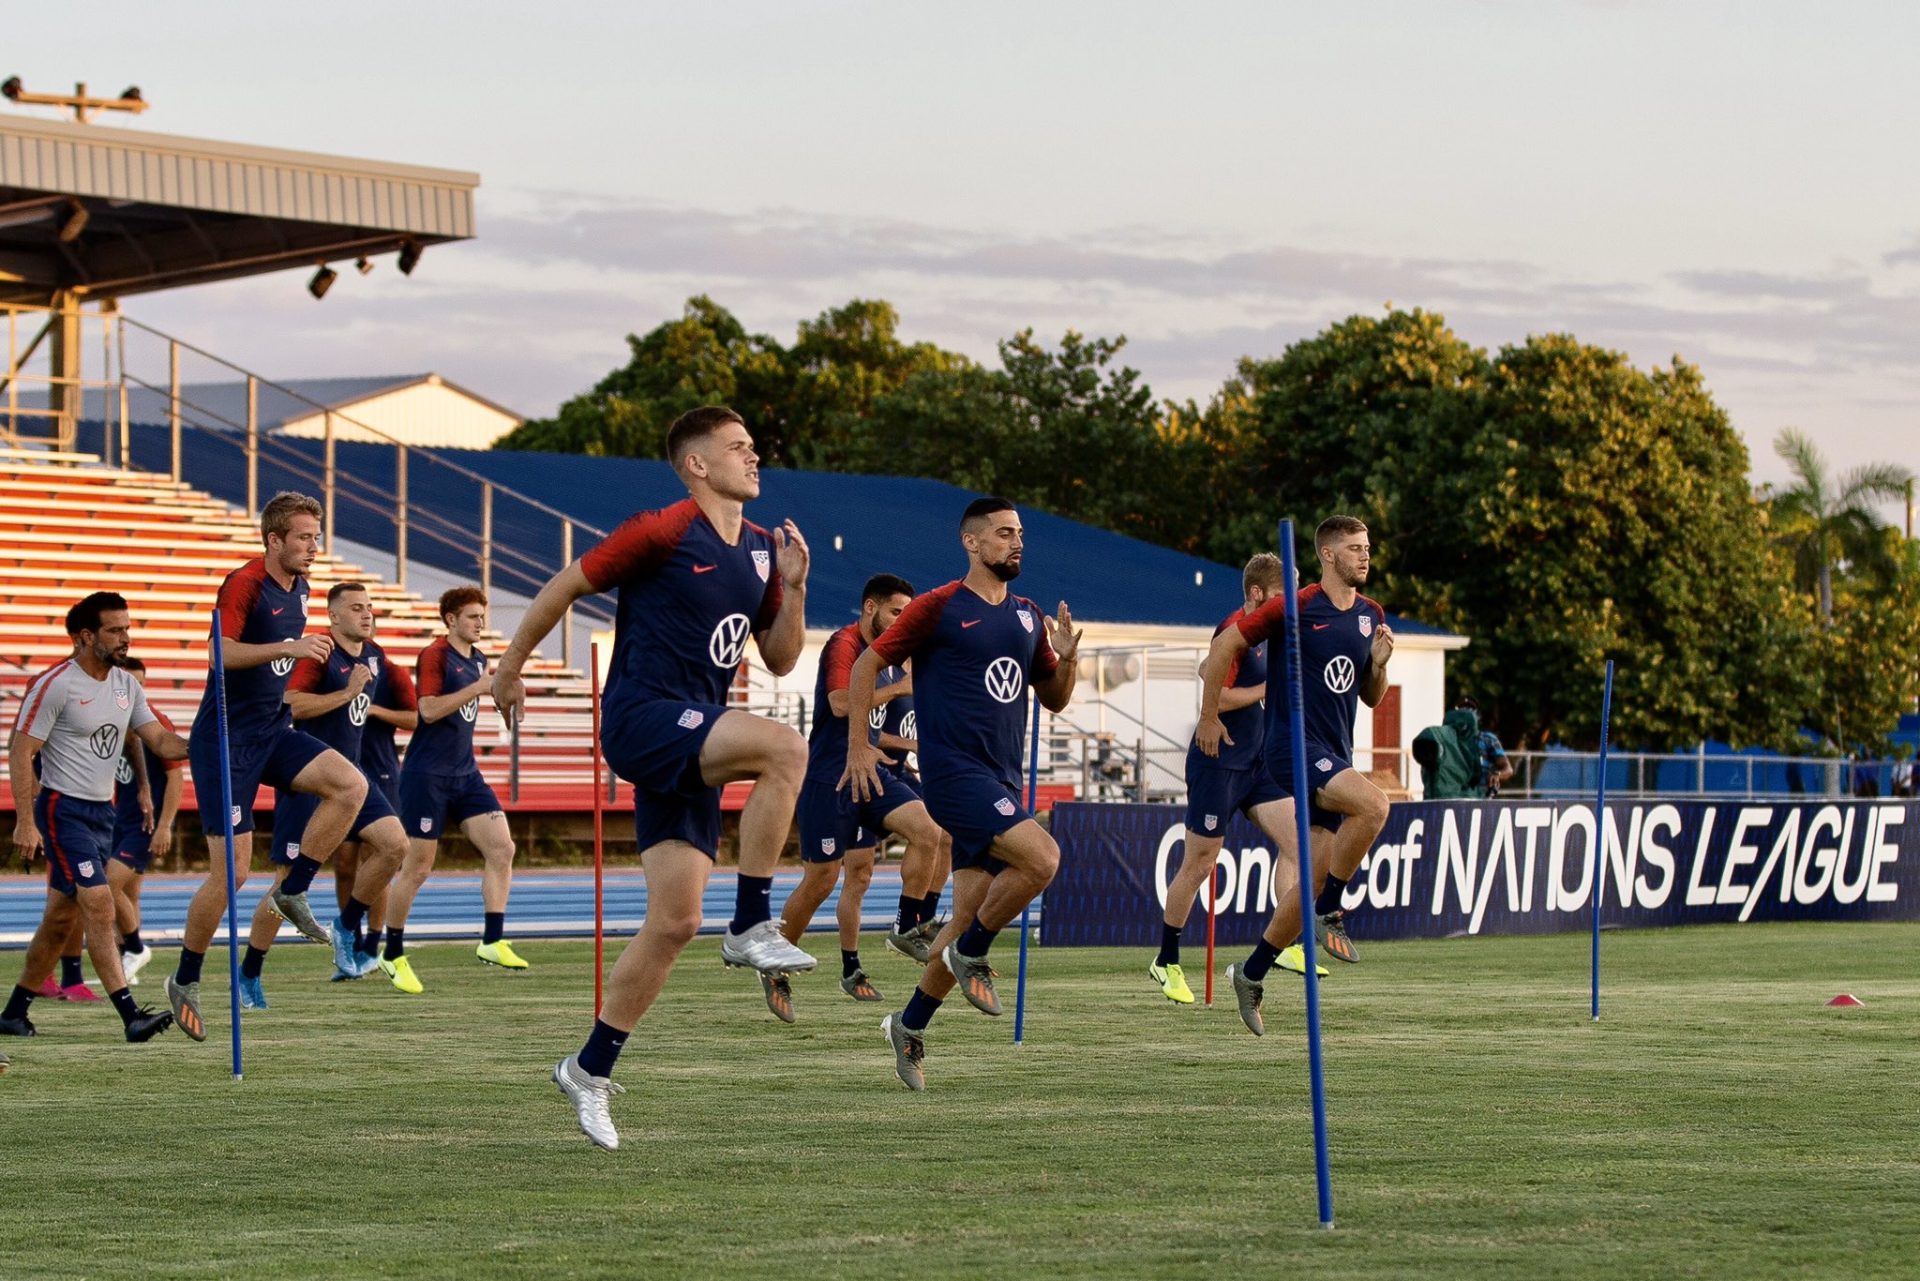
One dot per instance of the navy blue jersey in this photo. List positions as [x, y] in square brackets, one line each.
[688, 603]
[1334, 644]
[445, 746]
[896, 717]
[972, 663]
[126, 797]
[378, 757]
[340, 728]
[257, 610]
[1246, 726]
[827, 744]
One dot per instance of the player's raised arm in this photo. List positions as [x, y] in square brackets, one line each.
[782, 639]
[1055, 688]
[862, 776]
[548, 608]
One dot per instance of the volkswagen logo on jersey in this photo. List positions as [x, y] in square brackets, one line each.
[1026, 619]
[280, 666]
[1005, 680]
[123, 772]
[468, 710]
[876, 718]
[728, 644]
[1366, 624]
[910, 726]
[762, 563]
[357, 709]
[1339, 674]
[105, 741]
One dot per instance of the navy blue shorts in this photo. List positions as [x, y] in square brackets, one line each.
[974, 808]
[1323, 765]
[1215, 795]
[831, 823]
[131, 845]
[388, 785]
[78, 839]
[656, 747]
[292, 810]
[274, 761]
[429, 802]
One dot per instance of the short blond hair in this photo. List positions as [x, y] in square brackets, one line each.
[1263, 570]
[277, 516]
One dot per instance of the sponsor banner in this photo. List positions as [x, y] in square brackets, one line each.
[1447, 868]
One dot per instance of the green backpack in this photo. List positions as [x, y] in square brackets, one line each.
[1449, 757]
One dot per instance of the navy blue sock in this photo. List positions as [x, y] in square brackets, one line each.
[602, 1050]
[849, 962]
[70, 975]
[908, 914]
[130, 941]
[930, 907]
[496, 925]
[752, 903]
[250, 963]
[976, 940]
[1260, 961]
[370, 945]
[1329, 897]
[353, 914]
[300, 875]
[396, 943]
[123, 1002]
[17, 1003]
[920, 1011]
[1169, 945]
[189, 971]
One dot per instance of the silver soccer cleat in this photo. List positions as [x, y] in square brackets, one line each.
[293, 909]
[763, 947]
[589, 1096]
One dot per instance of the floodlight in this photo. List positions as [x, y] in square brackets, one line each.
[322, 281]
[410, 252]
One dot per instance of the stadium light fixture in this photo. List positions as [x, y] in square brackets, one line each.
[409, 258]
[363, 265]
[322, 281]
[79, 102]
[77, 218]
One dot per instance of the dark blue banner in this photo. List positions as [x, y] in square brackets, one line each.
[1449, 868]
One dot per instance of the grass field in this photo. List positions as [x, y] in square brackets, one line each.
[1719, 1122]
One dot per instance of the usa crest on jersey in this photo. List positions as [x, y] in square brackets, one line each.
[1026, 618]
[762, 562]
[1366, 624]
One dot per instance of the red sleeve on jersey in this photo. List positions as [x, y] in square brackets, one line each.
[842, 648]
[238, 594]
[400, 695]
[166, 724]
[306, 677]
[1265, 621]
[432, 668]
[1045, 661]
[639, 547]
[914, 627]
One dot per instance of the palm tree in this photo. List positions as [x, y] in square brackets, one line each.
[1827, 520]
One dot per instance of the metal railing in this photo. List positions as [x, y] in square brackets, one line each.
[1681, 775]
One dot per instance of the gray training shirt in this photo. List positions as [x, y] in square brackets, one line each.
[84, 724]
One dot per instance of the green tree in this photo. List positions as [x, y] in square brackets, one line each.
[1824, 519]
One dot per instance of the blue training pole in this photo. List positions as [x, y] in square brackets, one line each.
[1026, 913]
[219, 679]
[1297, 740]
[1600, 832]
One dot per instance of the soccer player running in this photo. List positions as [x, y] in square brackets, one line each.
[923, 872]
[142, 830]
[76, 719]
[330, 701]
[263, 620]
[1218, 786]
[975, 647]
[395, 706]
[833, 828]
[441, 785]
[1344, 647]
[695, 580]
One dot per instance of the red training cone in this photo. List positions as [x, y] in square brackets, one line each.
[1846, 999]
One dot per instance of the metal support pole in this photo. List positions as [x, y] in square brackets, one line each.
[331, 478]
[400, 516]
[566, 619]
[253, 445]
[126, 427]
[173, 402]
[486, 540]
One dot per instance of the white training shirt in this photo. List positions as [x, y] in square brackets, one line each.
[84, 724]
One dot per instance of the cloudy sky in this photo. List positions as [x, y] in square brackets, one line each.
[1732, 183]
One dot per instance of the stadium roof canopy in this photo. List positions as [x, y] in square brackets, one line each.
[98, 212]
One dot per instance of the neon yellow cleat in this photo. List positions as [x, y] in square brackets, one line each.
[1295, 958]
[1173, 983]
[400, 970]
[501, 954]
